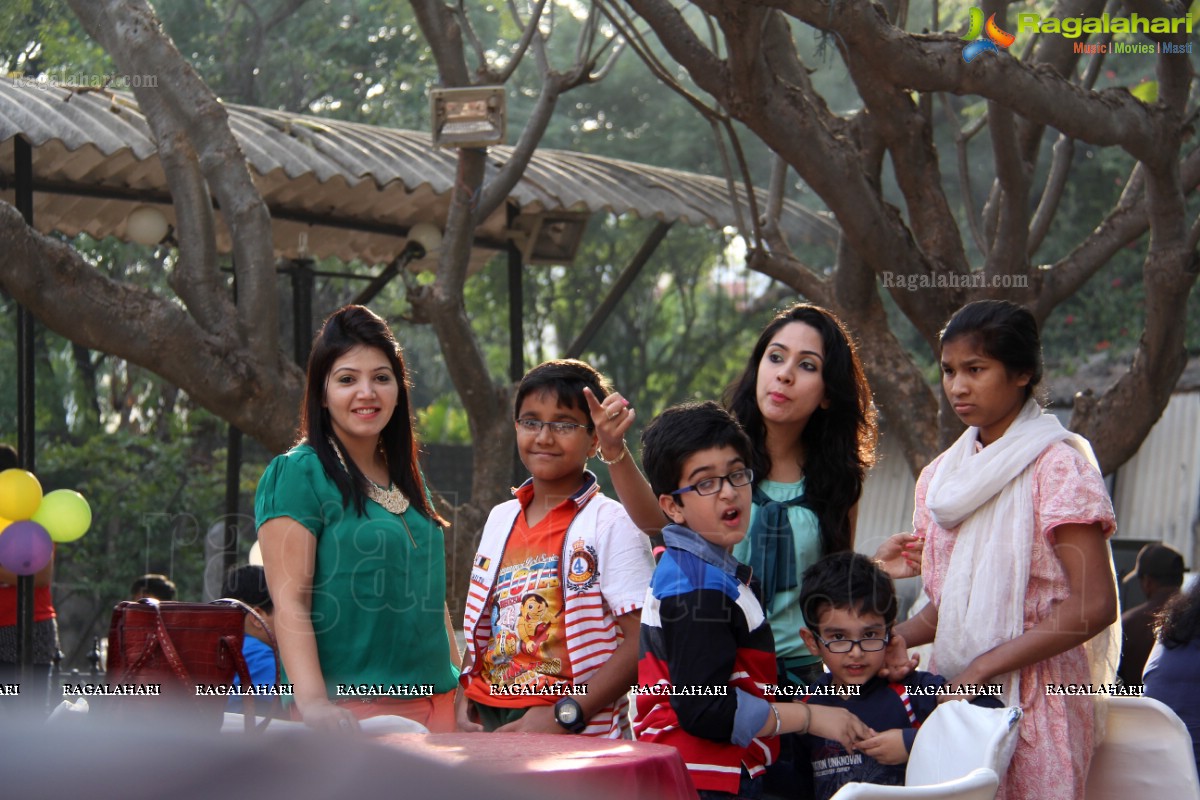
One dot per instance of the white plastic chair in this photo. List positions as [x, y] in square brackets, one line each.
[1146, 753]
[960, 752]
[959, 737]
[979, 784]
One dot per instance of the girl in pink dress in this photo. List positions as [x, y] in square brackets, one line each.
[1016, 564]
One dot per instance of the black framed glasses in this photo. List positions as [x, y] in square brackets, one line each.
[846, 645]
[739, 477]
[534, 427]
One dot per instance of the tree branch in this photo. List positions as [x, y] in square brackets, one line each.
[964, 178]
[441, 27]
[908, 135]
[1007, 254]
[932, 63]
[128, 30]
[528, 32]
[69, 296]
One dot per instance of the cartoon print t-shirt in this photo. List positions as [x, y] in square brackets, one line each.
[527, 651]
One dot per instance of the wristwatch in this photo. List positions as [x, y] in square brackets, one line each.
[569, 714]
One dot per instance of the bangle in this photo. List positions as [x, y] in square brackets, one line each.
[778, 721]
[807, 719]
[617, 460]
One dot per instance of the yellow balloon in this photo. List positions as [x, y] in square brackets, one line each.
[20, 494]
[4, 523]
[64, 514]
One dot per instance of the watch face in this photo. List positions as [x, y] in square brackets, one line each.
[567, 713]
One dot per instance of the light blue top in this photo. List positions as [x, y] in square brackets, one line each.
[784, 613]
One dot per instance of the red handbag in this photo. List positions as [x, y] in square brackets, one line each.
[167, 649]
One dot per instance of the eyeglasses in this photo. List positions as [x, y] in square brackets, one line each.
[534, 427]
[846, 645]
[739, 477]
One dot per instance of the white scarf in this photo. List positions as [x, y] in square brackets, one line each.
[990, 495]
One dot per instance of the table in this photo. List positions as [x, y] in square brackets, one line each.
[548, 765]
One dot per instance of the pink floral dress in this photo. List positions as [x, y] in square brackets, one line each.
[1055, 748]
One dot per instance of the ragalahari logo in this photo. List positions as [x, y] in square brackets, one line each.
[993, 38]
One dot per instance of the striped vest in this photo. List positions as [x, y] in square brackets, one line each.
[591, 629]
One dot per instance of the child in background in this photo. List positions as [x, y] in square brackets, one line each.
[557, 586]
[249, 584]
[849, 606]
[1016, 564]
[704, 633]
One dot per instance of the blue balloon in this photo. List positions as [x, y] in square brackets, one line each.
[25, 547]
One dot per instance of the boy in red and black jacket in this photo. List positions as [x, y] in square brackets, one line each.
[707, 653]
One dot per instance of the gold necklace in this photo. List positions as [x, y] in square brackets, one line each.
[390, 498]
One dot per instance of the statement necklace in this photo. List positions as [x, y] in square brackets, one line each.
[390, 498]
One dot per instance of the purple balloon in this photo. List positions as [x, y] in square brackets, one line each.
[25, 547]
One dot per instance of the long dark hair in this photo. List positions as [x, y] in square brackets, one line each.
[1179, 620]
[1004, 331]
[343, 330]
[839, 441]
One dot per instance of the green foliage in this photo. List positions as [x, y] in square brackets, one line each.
[1147, 92]
[1107, 313]
[361, 61]
[680, 331]
[151, 502]
[443, 422]
[43, 37]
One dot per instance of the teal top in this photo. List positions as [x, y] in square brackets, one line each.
[784, 614]
[377, 601]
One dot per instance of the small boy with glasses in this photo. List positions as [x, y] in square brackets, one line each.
[558, 581]
[849, 606]
[707, 652]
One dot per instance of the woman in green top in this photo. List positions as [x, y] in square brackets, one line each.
[357, 570]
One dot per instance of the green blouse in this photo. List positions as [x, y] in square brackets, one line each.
[377, 601]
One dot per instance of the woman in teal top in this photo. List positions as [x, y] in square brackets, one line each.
[357, 571]
[805, 403]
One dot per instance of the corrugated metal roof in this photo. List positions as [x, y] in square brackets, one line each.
[1157, 493]
[334, 188]
[886, 506]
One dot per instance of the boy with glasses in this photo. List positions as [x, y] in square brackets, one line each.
[554, 602]
[707, 652]
[849, 606]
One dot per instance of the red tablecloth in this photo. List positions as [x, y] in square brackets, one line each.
[569, 766]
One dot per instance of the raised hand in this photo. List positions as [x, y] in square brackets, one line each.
[612, 418]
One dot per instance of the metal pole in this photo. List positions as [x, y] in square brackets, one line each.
[23, 167]
[233, 473]
[516, 306]
[302, 324]
[624, 281]
[411, 252]
[516, 325]
[233, 469]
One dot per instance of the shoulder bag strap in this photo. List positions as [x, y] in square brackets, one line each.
[244, 671]
[162, 639]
